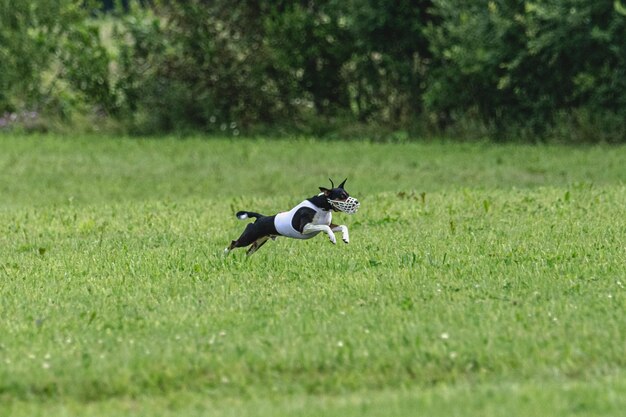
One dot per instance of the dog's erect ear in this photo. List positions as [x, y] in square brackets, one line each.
[326, 191]
[332, 184]
[341, 185]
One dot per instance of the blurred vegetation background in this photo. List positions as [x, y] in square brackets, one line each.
[501, 69]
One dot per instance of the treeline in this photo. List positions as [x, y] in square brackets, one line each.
[505, 69]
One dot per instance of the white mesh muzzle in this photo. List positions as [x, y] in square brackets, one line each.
[350, 205]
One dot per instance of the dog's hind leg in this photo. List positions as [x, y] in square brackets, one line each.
[230, 247]
[262, 228]
[250, 234]
[257, 244]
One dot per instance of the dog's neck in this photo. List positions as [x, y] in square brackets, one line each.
[321, 201]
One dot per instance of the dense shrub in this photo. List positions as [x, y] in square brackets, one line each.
[391, 58]
[202, 64]
[523, 65]
[26, 46]
[196, 65]
[499, 68]
[51, 60]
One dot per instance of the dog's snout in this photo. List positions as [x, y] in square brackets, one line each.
[350, 205]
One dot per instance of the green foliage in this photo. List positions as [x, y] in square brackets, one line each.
[391, 56]
[85, 67]
[493, 286]
[521, 63]
[52, 59]
[309, 42]
[198, 65]
[209, 65]
[492, 68]
[27, 42]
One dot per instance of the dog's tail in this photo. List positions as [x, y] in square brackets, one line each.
[242, 215]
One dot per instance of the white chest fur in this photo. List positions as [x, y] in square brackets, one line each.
[323, 217]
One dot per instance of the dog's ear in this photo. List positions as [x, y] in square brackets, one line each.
[341, 185]
[326, 191]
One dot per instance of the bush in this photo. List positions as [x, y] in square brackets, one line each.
[519, 65]
[496, 68]
[201, 64]
[193, 65]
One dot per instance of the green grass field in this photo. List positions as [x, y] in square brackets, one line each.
[481, 280]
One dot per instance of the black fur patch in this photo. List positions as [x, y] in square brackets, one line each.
[301, 217]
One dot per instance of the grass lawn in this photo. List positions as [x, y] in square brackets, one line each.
[481, 280]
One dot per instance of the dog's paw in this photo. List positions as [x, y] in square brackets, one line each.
[333, 239]
[346, 240]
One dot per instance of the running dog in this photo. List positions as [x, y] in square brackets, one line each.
[304, 221]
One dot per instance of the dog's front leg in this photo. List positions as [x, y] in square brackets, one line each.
[312, 228]
[345, 236]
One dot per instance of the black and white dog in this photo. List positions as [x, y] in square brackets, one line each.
[307, 219]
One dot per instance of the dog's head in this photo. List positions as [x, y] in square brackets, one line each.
[339, 199]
